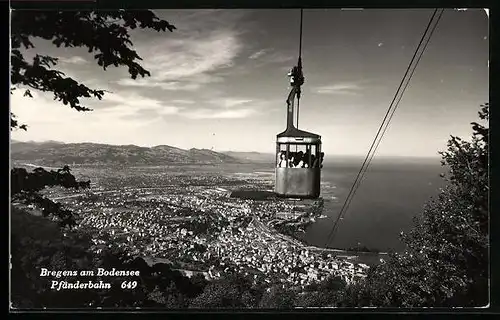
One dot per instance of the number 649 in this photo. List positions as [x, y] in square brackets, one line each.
[129, 284]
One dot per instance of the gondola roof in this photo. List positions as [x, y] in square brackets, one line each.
[296, 133]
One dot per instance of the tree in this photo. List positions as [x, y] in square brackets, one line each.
[446, 258]
[221, 293]
[25, 187]
[39, 243]
[105, 33]
[278, 297]
[453, 231]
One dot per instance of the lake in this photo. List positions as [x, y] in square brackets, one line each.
[392, 192]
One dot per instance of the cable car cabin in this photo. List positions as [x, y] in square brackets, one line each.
[298, 153]
[298, 164]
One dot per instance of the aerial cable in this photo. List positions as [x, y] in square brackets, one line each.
[392, 113]
[370, 155]
[364, 168]
[396, 106]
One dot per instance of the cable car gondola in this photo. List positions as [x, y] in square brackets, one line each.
[298, 152]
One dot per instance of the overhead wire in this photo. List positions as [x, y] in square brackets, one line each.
[392, 114]
[366, 163]
[395, 108]
[380, 133]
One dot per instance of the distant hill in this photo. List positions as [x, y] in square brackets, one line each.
[251, 156]
[57, 153]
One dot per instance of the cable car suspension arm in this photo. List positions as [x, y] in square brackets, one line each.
[296, 78]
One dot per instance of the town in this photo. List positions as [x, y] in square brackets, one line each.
[193, 224]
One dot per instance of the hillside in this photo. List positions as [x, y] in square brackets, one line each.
[57, 153]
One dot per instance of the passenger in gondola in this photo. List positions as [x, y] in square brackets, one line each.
[301, 163]
[298, 159]
[282, 161]
[314, 161]
[322, 155]
[305, 159]
[291, 160]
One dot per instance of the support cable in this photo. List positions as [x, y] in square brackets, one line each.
[377, 140]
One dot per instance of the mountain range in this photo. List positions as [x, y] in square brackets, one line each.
[59, 153]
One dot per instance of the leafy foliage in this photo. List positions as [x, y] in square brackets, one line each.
[277, 297]
[25, 187]
[446, 259]
[15, 124]
[39, 243]
[232, 291]
[218, 294]
[24, 181]
[105, 33]
[323, 294]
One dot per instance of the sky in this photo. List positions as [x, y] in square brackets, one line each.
[220, 82]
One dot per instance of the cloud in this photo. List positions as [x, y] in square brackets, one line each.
[340, 88]
[134, 106]
[51, 120]
[113, 119]
[229, 102]
[277, 57]
[187, 62]
[151, 113]
[40, 108]
[183, 101]
[257, 54]
[73, 60]
[226, 114]
[145, 113]
[227, 108]
[125, 101]
[169, 85]
[270, 56]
